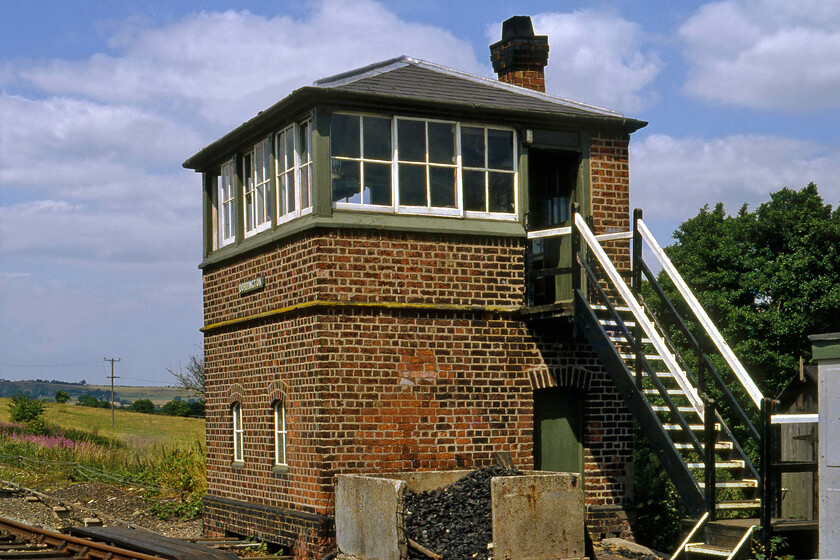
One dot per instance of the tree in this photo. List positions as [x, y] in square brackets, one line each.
[145, 406]
[175, 408]
[24, 408]
[767, 278]
[191, 377]
[62, 397]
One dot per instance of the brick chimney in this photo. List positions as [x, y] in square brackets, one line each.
[520, 57]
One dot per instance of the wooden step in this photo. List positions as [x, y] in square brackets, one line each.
[692, 427]
[739, 504]
[722, 445]
[599, 307]
[648, 357]
[731, 464]
[745, 483]
[670, 392]
[683, 409]
[709, 550]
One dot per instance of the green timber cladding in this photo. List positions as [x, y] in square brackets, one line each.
[394, 336]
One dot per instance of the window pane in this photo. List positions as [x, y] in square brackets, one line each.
[472, 146]
[412, 185]
[411, 140]
[500, 149]
[442, 186]
[304, 187]
[344, 135]
[289, 179]
[377, 184]
[281, 449]
[290, 149]
[377, 138]
[304, 143]
[345, 181]
[441, 142]
[500, 192]
[474, 190]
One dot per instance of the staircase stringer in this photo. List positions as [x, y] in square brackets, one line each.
[662, 444]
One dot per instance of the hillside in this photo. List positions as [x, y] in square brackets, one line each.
[43, 389]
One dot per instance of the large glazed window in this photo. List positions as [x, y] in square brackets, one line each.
[422, 166]
[227, 204]
[256, 176]
[294, 165]
[361, 156]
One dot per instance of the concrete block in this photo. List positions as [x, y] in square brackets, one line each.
[538, 517]
[92, 522]
[32, 499]
[61, 512]
[369, 517]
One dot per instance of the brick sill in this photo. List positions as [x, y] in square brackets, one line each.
[280, 469]
[237, 464]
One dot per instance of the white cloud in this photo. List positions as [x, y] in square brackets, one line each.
[224, 67]
[767, 54]
[672, 178]
[598, 58]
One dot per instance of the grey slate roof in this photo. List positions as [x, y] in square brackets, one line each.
[414, 79]
[408, 80]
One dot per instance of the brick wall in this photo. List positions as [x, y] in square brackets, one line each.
[610, 184]
[385, 388]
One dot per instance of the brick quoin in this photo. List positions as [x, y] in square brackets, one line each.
[379, 375]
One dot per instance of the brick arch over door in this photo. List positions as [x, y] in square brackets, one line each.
[543, 377]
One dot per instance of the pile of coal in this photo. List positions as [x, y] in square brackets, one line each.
[454, 521]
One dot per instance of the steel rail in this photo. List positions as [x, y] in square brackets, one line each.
[63, 545]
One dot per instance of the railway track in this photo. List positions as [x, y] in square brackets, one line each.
[18, 540]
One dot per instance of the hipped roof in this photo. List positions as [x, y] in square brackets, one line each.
[415, 82]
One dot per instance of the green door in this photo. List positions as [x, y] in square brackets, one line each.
[558, 430]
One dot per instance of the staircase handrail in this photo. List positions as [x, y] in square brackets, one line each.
[706, 362]
[642, 319]
[636, 345]
[704, 319]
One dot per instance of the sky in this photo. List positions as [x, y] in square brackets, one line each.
[101, 102]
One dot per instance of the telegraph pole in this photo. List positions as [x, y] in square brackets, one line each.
[112, 360]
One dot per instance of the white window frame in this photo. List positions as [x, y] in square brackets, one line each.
[487, 170]
[281, 456]
[256, 188]
[361, 160]
[459, 211]
[300, 182]
[226, 200]
[435, 210]
[238, 433]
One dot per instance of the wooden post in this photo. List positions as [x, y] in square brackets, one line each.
[637, 291]
[710, 440]
[576, 248]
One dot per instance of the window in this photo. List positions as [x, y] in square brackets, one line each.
[423, 166]
[236, 411]
[488, 173]
[426, 163]
[256, 175]
[280, 433]
[227, 205]
[361, 157]
[294, 167]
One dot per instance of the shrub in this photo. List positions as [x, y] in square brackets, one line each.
[93, 402]
[24, 408]
[176, 408]
[145, 406]
[62, 397]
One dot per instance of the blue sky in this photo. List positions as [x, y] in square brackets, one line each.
[100, 102]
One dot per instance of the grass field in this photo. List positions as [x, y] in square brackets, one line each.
[136, 430]
[158, 395]
[164, 454]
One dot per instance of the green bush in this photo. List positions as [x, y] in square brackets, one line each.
[145, 406]
[62, 397]
[24, 408]
[176, 408]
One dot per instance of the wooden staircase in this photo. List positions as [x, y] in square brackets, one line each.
[671, 399]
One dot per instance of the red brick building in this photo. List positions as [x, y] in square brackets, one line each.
[365, 290]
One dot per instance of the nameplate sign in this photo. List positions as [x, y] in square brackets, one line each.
[251, 285]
